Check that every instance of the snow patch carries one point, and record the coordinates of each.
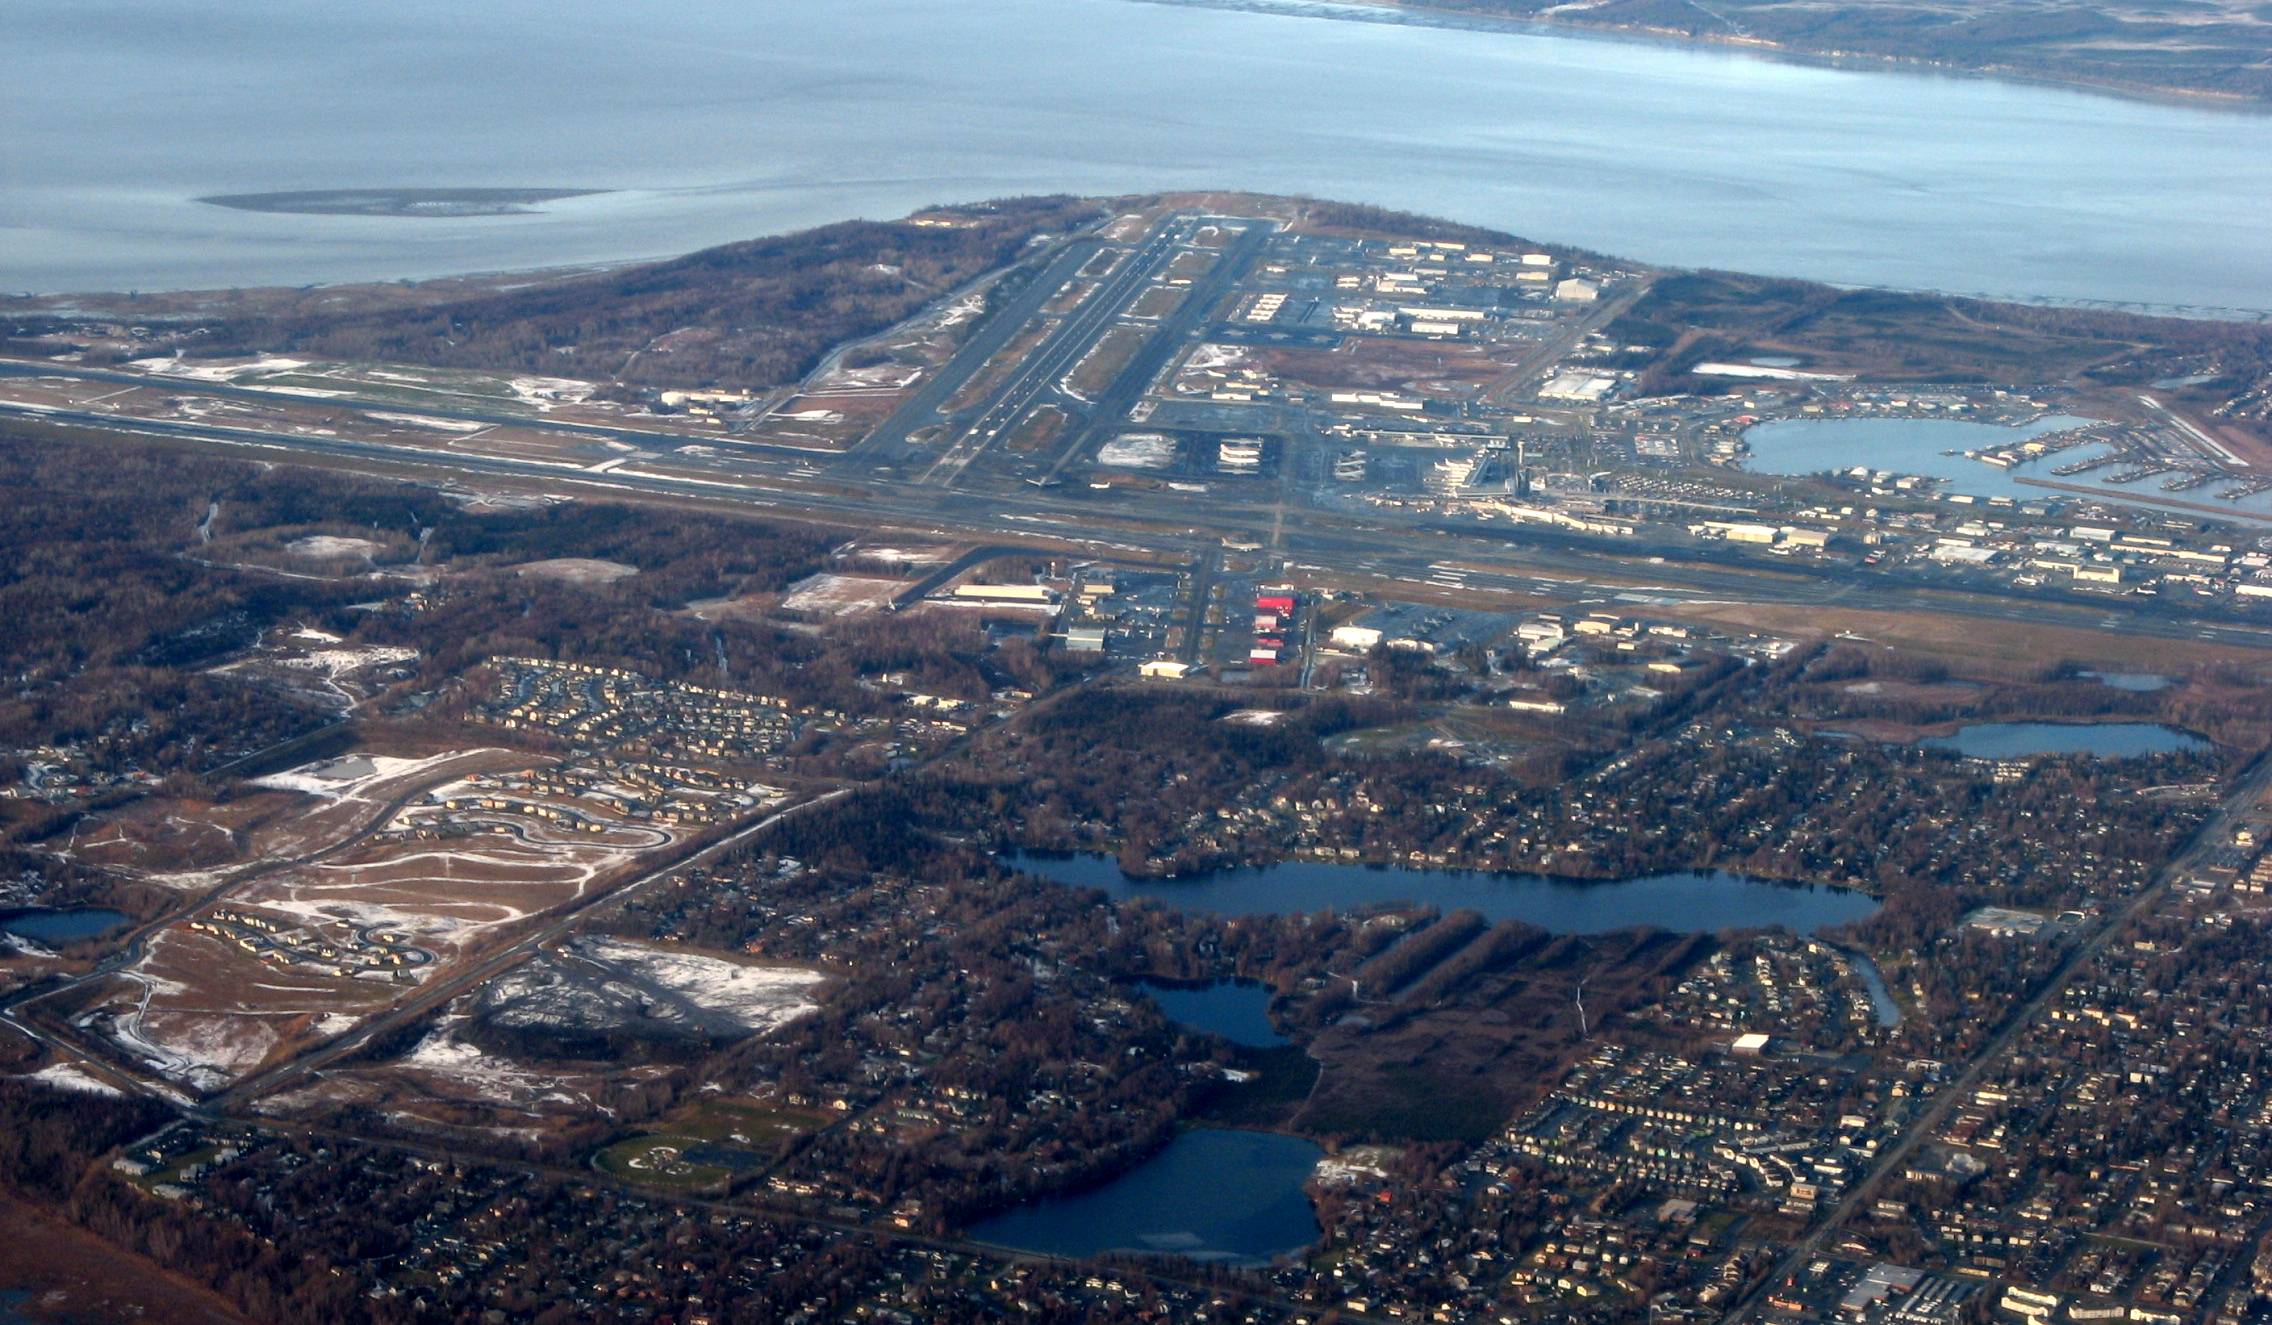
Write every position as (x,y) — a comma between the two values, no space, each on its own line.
(428,421)
(68,1076)
(339,662)
(331,545)
(760,997)
(351,775)
(838,595)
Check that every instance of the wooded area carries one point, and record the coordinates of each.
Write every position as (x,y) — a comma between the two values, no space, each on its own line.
(747,315)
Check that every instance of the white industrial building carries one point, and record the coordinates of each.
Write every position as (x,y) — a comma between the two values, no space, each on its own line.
(1034,595)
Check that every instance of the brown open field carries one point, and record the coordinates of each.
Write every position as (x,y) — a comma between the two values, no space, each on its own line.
(1104,362)
(1439,369)
(1957,639)
(983,382)
(1070,296)
(68,1274)
(1190,264)
(1037,430)
(197,843)
(159,838)
(1157,301)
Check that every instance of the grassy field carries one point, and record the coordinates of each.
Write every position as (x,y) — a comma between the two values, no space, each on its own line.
(659,1157)
(1105,361)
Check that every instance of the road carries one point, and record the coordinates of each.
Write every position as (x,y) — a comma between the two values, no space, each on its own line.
(1203,572)
(2252,788)
(1549,352)
(977,556)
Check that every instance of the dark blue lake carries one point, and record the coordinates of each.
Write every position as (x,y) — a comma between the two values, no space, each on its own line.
(1210,1194)
(1237,1010)
(2107,740)
(41,925)
(1685,901)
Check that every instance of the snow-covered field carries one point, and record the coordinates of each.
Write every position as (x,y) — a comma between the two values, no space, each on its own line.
(1256,717)
(489,1076)
(1212,357)
(340,662)
(208,371)
(331,545)
(202,1046)
(838,595)
(577,570)
(353,776)
(760,997)
(896,556)
(1138,450)
(545,392)
(430,423)
(1355,1165)
(68,1076)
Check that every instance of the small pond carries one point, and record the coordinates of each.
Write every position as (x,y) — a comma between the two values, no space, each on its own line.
(1237,1010)
(2106,740)
(48,925)
(1210,1194)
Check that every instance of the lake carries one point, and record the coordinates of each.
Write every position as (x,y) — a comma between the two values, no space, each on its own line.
(1237,1010)
(714,120)
(1687,901)
(1210,1194)
(42,925)
(1919,446)
(1909,446)
(2107,740)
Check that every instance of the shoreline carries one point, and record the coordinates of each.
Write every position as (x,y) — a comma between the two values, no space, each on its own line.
(91,303)
(1421,14)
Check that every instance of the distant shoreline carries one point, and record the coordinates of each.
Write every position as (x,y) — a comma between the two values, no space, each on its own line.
(441,203)
(1402,12)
